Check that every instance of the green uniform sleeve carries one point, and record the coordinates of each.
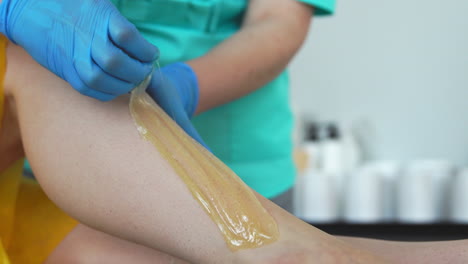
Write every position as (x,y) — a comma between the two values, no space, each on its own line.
(322,7)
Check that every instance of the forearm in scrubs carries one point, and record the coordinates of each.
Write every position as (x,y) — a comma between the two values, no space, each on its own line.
(272,32)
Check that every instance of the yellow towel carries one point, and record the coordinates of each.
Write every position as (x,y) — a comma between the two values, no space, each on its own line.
(3,256)
(31,226)
(9,187)
(39,226)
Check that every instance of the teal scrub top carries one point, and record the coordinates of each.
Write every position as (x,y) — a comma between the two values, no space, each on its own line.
(252,135)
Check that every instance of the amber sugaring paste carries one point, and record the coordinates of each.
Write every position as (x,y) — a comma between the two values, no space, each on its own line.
(242,220)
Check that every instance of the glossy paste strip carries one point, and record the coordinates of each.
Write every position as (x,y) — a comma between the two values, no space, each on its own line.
(240,217)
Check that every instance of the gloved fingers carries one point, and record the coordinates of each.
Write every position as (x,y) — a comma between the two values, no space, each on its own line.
(186,84)
(176,111)
(94,78)
(125,35)
(118,64)
(165,95)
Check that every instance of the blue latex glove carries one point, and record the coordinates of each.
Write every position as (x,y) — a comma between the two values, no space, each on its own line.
(175,90)
(88,43)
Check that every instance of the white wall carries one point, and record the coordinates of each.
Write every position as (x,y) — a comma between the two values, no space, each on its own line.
(399,67)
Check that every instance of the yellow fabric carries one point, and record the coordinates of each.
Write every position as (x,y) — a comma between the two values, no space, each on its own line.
(31,226)
(3,257)
(3,43)
(9,187)
(39,225)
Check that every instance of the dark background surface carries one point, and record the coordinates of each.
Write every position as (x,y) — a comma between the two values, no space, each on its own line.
(401,232)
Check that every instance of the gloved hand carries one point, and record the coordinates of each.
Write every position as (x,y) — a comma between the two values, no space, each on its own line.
(88,43)
(175,90)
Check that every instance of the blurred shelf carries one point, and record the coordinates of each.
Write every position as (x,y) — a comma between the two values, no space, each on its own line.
(396,231)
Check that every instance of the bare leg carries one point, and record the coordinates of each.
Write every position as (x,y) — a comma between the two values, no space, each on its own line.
(98,247)
(91,161)
(83,244)
(415,252)
(89,246)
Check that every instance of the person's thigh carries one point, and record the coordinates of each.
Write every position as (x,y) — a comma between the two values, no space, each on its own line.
(91,161)
(85,245)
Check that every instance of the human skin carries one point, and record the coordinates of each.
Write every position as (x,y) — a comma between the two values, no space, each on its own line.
(271,34)
(89,246)
(452,252)
(91,161)
(42,98)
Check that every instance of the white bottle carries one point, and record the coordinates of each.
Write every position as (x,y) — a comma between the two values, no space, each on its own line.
(332,155)
(311,147)
(352,153)
(364,197)
(440,173)
(459,198)
(320,203)
(390,171)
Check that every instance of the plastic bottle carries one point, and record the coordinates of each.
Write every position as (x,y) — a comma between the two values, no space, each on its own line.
(312,146)
(352,152)
(332,151)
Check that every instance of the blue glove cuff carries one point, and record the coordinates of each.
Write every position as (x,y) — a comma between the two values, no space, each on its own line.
(5,6)
(3,17)
(186,82)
